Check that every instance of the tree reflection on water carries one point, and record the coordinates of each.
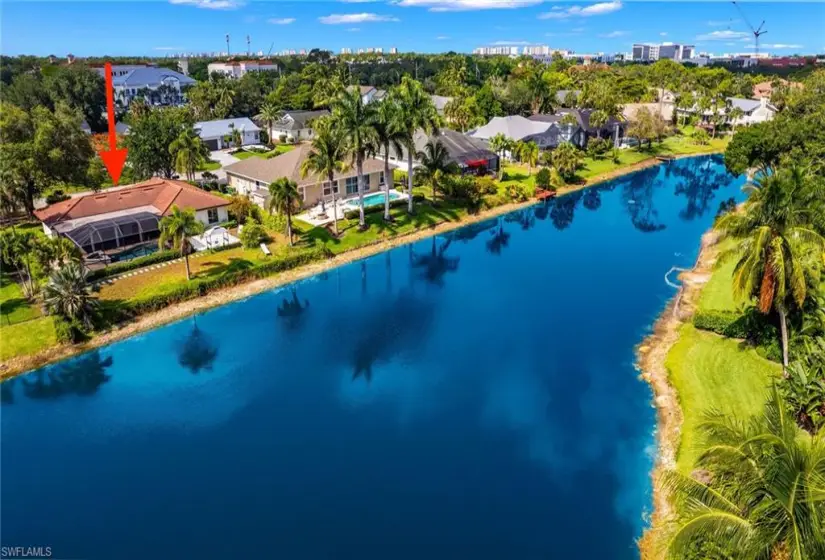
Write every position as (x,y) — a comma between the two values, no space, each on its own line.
(499,239)
(292,311)
(436,264)
(79,376)
(637,195)
(564,209)
(198,351)
(698,184)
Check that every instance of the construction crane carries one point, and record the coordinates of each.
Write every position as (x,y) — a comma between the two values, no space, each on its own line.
(247,46)
(757,32)
(227,45)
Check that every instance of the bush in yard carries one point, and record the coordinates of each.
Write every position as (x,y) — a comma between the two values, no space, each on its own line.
(69,331)
(544,179)
(252,234)
(519,192)
(486,185)
(597,147)
(56,195)
(282,138)
(700,136)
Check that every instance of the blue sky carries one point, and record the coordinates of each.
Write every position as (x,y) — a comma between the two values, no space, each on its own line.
(159,27)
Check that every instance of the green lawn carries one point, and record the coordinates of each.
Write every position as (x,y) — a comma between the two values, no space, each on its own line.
(711,372)
(717,294)
(14,308)
(26,338)
(276,151)
(210,166)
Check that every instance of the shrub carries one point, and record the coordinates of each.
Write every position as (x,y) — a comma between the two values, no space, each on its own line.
(700,136)
(486,185)
(56,195)
(519,192)
(69,331)
(272,222)
(597,147)
(202,286)
(282,138)
(126,266)
(543,178)
(252,234)
(505,176)
(727,323)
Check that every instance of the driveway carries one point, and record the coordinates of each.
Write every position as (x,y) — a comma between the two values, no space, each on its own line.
(223,157)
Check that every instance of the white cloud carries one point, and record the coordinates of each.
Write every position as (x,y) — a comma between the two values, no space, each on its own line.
(281,21)
(597,9)
(513,43)
(354,29)
(358,1)
(167,48)
(613,34)
(442,38)
(726,35)
(466,5)
(663,34)
(337,19)
(722,22)
(577,30)
(211,4)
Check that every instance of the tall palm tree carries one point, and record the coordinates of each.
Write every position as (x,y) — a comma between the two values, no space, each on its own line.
(417,113)
(268,115)
(355,119)
(224,96)
(540,91)
(765,499)
(190,153)
(176,228)
(598,119)
(566,159)
(67,294)
(435,162)
(327,157)
(388,135)
(499,144)
(779,244)
(734,114)
(284,198)
(530,155)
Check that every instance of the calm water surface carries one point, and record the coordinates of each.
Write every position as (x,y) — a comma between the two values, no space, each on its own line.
(469,396)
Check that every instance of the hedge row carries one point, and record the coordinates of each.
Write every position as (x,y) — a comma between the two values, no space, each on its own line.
(727,323)
(203,286)
(126,266)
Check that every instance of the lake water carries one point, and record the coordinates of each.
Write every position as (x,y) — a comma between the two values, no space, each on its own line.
(468,396)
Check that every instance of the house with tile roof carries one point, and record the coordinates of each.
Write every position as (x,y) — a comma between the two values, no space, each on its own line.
(470,154)
(296,125)
(159,86)
(128,215)
(252,177)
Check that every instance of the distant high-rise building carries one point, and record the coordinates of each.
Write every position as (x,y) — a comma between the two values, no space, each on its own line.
(496,50)
(346,50)
(649,52)
(542,50)
(393,50)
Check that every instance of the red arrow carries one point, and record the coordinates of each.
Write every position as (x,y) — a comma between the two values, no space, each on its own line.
(114,158)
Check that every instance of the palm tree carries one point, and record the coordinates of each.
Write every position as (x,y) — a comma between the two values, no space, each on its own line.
(517,148)
(417,113)
(190,153)
(284,198)
(388,135)
(235,136)
(530,155)
(67,294)
(176,227)
(765,499)
(327,158)
(499,144)
(225,97)
(354,119)
(734,115)
(566,159)
(435,162)
(597,120)
(540,92)
(268,115)
(779,244)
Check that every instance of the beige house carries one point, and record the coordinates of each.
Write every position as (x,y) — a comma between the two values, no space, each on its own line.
(252,177)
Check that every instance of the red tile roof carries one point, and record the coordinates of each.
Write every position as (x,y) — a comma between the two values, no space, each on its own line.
(162,194)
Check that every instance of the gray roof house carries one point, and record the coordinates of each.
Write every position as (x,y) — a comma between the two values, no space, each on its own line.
(754,110)
(440,102)
(545,130)
(297,124)
(467,152)
(215,133)
(163,85)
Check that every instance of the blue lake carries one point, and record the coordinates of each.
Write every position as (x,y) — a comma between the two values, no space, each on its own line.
(468,396)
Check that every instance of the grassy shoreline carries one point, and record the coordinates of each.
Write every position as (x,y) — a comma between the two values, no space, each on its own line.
(23,363)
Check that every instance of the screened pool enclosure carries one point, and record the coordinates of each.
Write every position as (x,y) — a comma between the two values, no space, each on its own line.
(114,231)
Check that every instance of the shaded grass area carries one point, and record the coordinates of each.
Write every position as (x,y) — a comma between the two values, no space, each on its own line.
(209,166)
(14,308)
(276,151)
(27,338)
(710,372)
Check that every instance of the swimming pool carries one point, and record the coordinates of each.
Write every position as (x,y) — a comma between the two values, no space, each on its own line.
(471,395)
(135,252)
(374,199)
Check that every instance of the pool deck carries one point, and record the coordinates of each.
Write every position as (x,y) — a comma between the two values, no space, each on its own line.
(342,206)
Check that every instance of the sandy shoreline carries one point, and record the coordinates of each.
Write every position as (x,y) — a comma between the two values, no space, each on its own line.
(651,356)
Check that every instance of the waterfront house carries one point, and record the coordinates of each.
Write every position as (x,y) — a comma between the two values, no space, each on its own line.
(253,176)
(470,154)
(217,134)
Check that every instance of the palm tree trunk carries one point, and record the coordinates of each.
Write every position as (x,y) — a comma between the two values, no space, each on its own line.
(783,327)
(359,170)
(186,261)
(387,182)
(334,205)
(289,225)
(410,172)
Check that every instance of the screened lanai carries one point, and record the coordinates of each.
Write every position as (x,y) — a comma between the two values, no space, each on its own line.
(112,231)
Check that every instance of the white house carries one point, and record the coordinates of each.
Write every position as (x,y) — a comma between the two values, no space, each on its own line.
(159,86)
(370,93)
(296,125)
(216,134)
(241,68)
(754,111)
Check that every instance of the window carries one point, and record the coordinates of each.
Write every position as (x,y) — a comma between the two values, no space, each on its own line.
(381,178)
(328,190)
(352,185)
(212,215)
